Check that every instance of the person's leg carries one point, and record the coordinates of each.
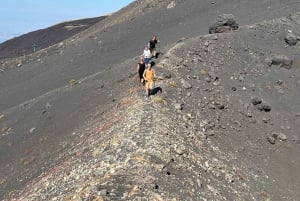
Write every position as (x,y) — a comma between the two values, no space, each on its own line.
(147,88)
(151,86)
(145,60)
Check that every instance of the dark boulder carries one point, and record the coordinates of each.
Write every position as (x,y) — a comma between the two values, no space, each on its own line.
(224,23)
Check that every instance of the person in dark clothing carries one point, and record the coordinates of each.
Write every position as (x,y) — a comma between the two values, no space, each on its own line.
(140,70)
(152,46)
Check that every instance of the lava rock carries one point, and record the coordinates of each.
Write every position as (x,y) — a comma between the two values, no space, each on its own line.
(263,107)
(280,60)
(266,107)
(271,139)
(256,101)
(291,39)
(224,23)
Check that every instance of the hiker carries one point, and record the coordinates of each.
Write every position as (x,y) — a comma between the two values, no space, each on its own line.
(152,46)
(140,70)
(147,55)
(149,75)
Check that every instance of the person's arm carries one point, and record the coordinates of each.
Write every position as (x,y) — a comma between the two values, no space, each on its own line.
(144,75)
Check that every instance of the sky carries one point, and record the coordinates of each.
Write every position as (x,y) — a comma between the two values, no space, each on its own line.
(18,17)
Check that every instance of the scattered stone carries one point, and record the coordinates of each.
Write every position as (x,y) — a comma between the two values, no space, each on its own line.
(271,139)
(181,40)
(221,106)
(206,44)
(224,23)
(73,82)
(229,178)
(279,60)
(266,107)
(291,39)
(213,76)
(103,192)
(265,120)
(256,101)
(249,114)
(171,5)
(215,37)
(178,106)
(276,136)
(1,116)
(188,94)
(280,82)
(179,149)
(32,130)
(216,83)
(200,185)
(203,72)
(263,107)
(185,84)
(2,181)
(5,129)
(48,105)
(282,136)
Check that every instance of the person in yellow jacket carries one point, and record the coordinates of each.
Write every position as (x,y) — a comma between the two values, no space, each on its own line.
(149,75)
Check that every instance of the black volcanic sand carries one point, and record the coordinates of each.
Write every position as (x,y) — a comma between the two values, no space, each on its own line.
(43,38)
(42,109)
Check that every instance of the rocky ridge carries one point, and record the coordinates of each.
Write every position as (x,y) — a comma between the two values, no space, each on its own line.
(219,131)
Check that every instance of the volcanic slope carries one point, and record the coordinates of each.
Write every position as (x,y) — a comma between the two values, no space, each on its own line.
(23,45)
(213,147)
(91,75)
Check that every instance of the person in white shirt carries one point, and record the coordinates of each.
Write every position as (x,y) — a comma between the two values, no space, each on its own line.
(147,55)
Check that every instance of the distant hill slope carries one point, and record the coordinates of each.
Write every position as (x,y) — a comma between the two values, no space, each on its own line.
(44,38)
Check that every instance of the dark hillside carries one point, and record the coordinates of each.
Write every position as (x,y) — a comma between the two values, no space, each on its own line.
(45,37)
(75,124)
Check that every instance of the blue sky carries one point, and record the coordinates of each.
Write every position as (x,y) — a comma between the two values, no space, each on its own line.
(18,17)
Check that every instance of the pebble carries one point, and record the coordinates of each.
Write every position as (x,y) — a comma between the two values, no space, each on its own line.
(31,130)
(178,106)
(186,84)
(256,101)
(265,120)
(48,105)
(271,139)
(282,136)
